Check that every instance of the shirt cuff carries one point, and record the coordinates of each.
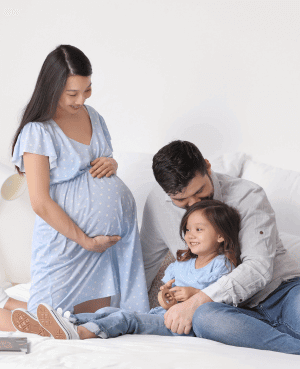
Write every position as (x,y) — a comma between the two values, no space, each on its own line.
(217,293)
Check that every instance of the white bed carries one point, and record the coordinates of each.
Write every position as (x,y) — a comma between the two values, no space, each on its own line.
(133,351)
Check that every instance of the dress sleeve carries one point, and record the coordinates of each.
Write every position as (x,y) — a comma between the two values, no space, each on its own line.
(34,138)
(169,273)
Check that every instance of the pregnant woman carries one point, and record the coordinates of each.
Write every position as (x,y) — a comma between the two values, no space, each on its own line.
(86,250)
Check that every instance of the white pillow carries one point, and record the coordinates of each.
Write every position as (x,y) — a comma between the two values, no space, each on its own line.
(283,190)
(135,170)
(19,292)
(231,163)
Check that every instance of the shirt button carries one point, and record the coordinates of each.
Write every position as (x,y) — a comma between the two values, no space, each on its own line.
(241,300)
(261,232)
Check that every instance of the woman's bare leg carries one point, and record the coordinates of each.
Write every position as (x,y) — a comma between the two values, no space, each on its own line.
(5,321)
(92,305)
(5,314)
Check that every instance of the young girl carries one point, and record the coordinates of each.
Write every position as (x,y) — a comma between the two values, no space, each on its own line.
(86,251)
(210,229)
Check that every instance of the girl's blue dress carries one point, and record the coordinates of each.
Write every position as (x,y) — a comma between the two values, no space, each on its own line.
(63,274)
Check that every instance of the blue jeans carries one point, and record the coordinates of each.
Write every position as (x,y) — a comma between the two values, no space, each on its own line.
(111,322)
(272,325)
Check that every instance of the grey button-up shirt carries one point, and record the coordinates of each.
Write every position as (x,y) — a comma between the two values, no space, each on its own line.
(265,263)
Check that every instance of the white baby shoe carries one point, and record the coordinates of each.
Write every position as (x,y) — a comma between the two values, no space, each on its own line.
(57,324)
(26,322)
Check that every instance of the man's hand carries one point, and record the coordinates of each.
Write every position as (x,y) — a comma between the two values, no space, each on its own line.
(179,317)
(103,167)
(184,293)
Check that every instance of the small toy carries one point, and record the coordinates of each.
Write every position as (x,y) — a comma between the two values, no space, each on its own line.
(166,298)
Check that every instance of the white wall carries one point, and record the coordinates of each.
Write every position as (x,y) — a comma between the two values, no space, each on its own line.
(223,74)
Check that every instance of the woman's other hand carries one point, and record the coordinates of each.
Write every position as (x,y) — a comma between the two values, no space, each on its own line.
(103,167)
(184,293)
(101,243)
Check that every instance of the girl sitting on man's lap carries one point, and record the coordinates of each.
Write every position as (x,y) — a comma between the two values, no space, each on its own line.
(210,229)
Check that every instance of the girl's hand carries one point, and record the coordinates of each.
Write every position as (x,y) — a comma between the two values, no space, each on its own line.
(103,167)
(168,285)
(100,243)
(184,293)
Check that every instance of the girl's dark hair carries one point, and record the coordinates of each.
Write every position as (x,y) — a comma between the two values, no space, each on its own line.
(225,220)
(64,61)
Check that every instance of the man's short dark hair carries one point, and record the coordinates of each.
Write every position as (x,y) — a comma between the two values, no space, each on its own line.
(176,164)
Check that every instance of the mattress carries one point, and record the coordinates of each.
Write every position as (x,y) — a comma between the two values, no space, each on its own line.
(138,352)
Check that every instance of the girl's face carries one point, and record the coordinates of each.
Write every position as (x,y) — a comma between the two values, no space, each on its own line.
(76,91)
(200,236)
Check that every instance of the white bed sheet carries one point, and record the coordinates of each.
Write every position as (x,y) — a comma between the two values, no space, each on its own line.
(138,352)
(145,352)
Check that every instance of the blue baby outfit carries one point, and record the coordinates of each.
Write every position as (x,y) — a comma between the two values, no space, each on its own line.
(111,322)
(186,274)
(63,274)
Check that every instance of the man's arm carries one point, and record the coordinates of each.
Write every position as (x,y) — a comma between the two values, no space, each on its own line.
(258,241)
(154,248)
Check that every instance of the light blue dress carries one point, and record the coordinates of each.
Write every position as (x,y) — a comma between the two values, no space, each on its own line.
(63,274)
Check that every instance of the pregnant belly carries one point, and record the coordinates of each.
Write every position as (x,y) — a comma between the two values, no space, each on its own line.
(102,206)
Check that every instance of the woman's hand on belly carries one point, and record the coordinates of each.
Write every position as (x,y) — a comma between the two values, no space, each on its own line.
(103,167)
(100,243)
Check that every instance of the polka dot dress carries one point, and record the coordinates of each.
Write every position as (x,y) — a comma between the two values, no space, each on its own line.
(63,274)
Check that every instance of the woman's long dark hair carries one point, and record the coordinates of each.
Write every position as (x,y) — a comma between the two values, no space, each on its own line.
(64,61)
(226,222)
